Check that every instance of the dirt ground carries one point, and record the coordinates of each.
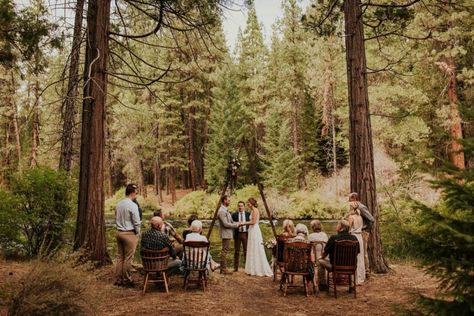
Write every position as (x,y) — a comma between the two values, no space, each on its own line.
(239,294)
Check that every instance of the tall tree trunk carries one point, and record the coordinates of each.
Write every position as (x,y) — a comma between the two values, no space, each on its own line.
(69,104)
(36,126)
(360,141)
(192,161)
(141,178)
(455,149)
(15,120)
(157,179)
(90,229)
(172,185)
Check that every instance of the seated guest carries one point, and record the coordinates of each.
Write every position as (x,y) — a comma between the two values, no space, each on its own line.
(171,232)
(195,235)
(155,239)
(318,234)
(288,229)
(301,233)
(342,230)
(188,230)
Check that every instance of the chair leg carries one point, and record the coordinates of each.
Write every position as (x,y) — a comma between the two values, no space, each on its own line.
(305,286)
(334,280)
(166,282)
(285,285)
(201,280)
(355,286)
(186,276)
(145,282)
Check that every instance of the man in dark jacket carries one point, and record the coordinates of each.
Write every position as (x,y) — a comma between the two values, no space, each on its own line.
(241,233)
(342,234)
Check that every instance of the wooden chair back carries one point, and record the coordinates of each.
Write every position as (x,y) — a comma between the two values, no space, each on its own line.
(318,248)
(155,260)
(195,255)
(280,248)
(345,255)
(297,257)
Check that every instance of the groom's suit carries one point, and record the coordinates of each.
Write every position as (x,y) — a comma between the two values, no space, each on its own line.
(226,225)
(240,236)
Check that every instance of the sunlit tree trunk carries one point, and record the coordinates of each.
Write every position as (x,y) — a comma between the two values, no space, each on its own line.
(360,141)
(69,104)
(455,149)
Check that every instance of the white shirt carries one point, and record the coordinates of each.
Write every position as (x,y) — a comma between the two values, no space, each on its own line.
(127,217)
(321,236)
(242,228)
(195,237)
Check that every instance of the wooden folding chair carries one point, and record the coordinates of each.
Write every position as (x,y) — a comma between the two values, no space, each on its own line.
(195,259)
(297,263)
(155,262)
(344,264)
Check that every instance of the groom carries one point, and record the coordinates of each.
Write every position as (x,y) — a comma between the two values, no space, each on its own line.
(240,234)
(226,225)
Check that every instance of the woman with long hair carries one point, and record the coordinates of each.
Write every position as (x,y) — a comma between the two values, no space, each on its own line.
(256,262)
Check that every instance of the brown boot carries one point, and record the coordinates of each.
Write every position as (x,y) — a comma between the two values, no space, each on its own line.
(225,271)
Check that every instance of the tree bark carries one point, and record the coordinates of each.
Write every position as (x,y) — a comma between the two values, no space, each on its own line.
(36,126)
(15,121)
(192,162)
(360,142)
(141,178)
(90,229)
(69,104)
(455,149)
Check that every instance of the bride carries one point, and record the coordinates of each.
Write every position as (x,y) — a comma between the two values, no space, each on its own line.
(256,262)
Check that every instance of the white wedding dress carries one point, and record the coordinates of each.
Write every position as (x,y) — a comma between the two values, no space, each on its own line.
(256,262)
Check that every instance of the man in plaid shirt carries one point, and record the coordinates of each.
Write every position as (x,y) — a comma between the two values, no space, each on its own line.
(155,239)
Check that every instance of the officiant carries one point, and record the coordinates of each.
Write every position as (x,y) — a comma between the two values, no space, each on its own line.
(241,233)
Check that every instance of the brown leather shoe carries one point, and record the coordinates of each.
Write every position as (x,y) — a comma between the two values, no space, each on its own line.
(225,271)
(236,269)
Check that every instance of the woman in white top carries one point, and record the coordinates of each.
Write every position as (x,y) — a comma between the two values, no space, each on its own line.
(318,234)
(256,262)
(355,224)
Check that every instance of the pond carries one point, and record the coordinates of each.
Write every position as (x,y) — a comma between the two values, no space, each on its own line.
(329,226)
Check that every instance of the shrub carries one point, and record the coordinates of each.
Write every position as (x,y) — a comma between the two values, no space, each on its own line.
(53,289)
(41,201)
(197,202)
(10,237)
(111,202)
(307,205)
(244,194)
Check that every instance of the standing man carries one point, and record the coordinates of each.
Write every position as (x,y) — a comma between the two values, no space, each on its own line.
(366,227)
(128,224)
(227,226)
(240,234)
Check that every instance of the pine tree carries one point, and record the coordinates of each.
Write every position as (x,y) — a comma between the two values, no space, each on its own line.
(282,166)
(252,63)
(226,127)
(442,237)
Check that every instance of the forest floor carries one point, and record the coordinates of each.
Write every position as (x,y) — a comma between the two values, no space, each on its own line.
(239,294)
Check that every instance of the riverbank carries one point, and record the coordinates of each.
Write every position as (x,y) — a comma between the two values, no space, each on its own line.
(239,294)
